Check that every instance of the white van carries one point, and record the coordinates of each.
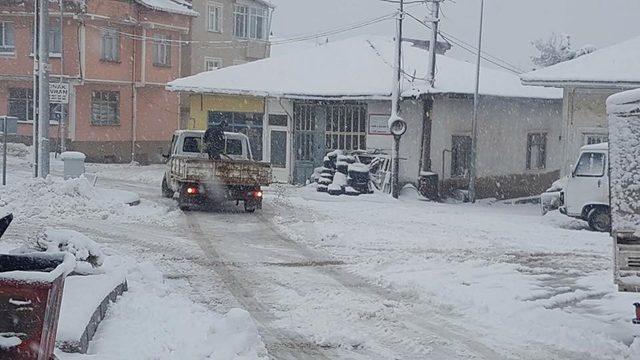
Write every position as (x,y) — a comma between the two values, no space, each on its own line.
(585,194)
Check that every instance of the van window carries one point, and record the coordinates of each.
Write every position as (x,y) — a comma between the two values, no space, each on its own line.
(234,147)
(191,144)
(590,164)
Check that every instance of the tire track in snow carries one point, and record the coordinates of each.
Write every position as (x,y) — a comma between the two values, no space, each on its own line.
(281,344)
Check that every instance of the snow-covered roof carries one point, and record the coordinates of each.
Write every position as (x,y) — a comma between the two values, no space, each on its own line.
(182,7)
(615,66)
(359,67)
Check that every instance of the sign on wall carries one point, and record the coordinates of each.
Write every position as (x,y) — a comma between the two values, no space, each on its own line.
(379,124)
(59,93)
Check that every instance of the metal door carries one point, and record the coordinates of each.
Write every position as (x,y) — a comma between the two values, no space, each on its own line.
(305,141)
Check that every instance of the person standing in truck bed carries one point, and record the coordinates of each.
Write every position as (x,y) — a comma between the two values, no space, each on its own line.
(214,140)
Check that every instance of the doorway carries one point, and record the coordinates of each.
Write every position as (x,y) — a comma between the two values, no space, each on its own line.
(279,147)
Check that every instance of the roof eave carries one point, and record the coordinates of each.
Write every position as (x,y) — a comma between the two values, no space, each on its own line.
(581,84)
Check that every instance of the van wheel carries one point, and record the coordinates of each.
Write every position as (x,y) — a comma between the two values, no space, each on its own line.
(166,190)
(599,220)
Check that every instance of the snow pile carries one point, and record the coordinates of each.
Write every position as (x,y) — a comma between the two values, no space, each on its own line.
(9,340)
(156,320)
(54,198)
(83,248)
(624,150)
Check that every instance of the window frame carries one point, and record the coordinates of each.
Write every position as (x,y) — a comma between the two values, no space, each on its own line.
(218,13)
(207,59)
(256,22)
(110,36)
(6,47)
(544,136)
(162,50)
(106,103)
(55,37)
(346,127)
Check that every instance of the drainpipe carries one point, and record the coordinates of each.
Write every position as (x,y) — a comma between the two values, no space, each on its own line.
(134,102)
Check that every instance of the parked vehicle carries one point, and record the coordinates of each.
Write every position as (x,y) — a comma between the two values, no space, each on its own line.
(586,191)
(197,180)
(624,167)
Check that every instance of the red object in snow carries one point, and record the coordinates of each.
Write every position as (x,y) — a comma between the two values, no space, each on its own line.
(29,308)
(637,319)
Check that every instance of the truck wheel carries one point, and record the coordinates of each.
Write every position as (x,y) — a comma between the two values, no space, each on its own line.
(599,220)
(166,190)
(249,208)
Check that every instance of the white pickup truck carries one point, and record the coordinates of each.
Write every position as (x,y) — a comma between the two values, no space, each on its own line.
(198,180)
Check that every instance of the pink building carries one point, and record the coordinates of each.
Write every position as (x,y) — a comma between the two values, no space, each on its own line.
(117,57)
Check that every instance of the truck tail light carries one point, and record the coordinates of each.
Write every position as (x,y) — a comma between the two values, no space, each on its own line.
(257,194)
(192,190)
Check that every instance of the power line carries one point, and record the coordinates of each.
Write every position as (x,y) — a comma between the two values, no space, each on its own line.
(472,49)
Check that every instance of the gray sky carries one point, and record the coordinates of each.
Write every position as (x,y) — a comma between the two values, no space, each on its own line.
(510,25)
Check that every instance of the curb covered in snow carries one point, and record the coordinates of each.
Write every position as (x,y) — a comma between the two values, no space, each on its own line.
(81,312)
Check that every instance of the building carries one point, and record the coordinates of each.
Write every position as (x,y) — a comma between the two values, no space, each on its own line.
(298,106)
(587,82)
(117,57)
(226,33)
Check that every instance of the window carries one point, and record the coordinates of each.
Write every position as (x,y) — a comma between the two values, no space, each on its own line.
(249,124)
(110,45)
(590,165)
(460,155)
(536,151)
(240,20)
(258,23)
(55,37)
(105,108)
(7,38)
(250,22)
(21,104)
(212,63)
(233,147)
(591,139)
(278,120)
(214,17)
(162,50)
(192,144)
(346,127)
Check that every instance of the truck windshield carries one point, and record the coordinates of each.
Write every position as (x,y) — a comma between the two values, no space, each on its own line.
(590,164)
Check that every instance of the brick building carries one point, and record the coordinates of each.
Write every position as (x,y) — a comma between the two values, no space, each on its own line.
(116,56)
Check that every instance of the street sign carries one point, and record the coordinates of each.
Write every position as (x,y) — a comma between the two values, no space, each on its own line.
(59,93)
(11,124)
(379,124)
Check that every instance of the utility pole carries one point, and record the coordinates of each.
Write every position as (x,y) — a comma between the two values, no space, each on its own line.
(397,126)
(43,90)
(435,21)
(473,172)
(34,130)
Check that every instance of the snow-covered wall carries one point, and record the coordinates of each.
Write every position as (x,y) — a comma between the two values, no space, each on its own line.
(624,153)
(503,126)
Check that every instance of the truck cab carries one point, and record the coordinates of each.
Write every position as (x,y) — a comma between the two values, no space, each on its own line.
(585,193)
(189,143)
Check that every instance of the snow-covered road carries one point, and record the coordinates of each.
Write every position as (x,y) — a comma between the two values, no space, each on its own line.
(360,278)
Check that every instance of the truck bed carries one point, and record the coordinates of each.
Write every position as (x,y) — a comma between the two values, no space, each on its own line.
(225,171)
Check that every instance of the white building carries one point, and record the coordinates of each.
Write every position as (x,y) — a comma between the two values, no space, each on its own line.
(587,83)
(337,96)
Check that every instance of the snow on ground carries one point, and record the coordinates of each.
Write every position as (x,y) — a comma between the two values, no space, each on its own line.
(520,279)
(156,318)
